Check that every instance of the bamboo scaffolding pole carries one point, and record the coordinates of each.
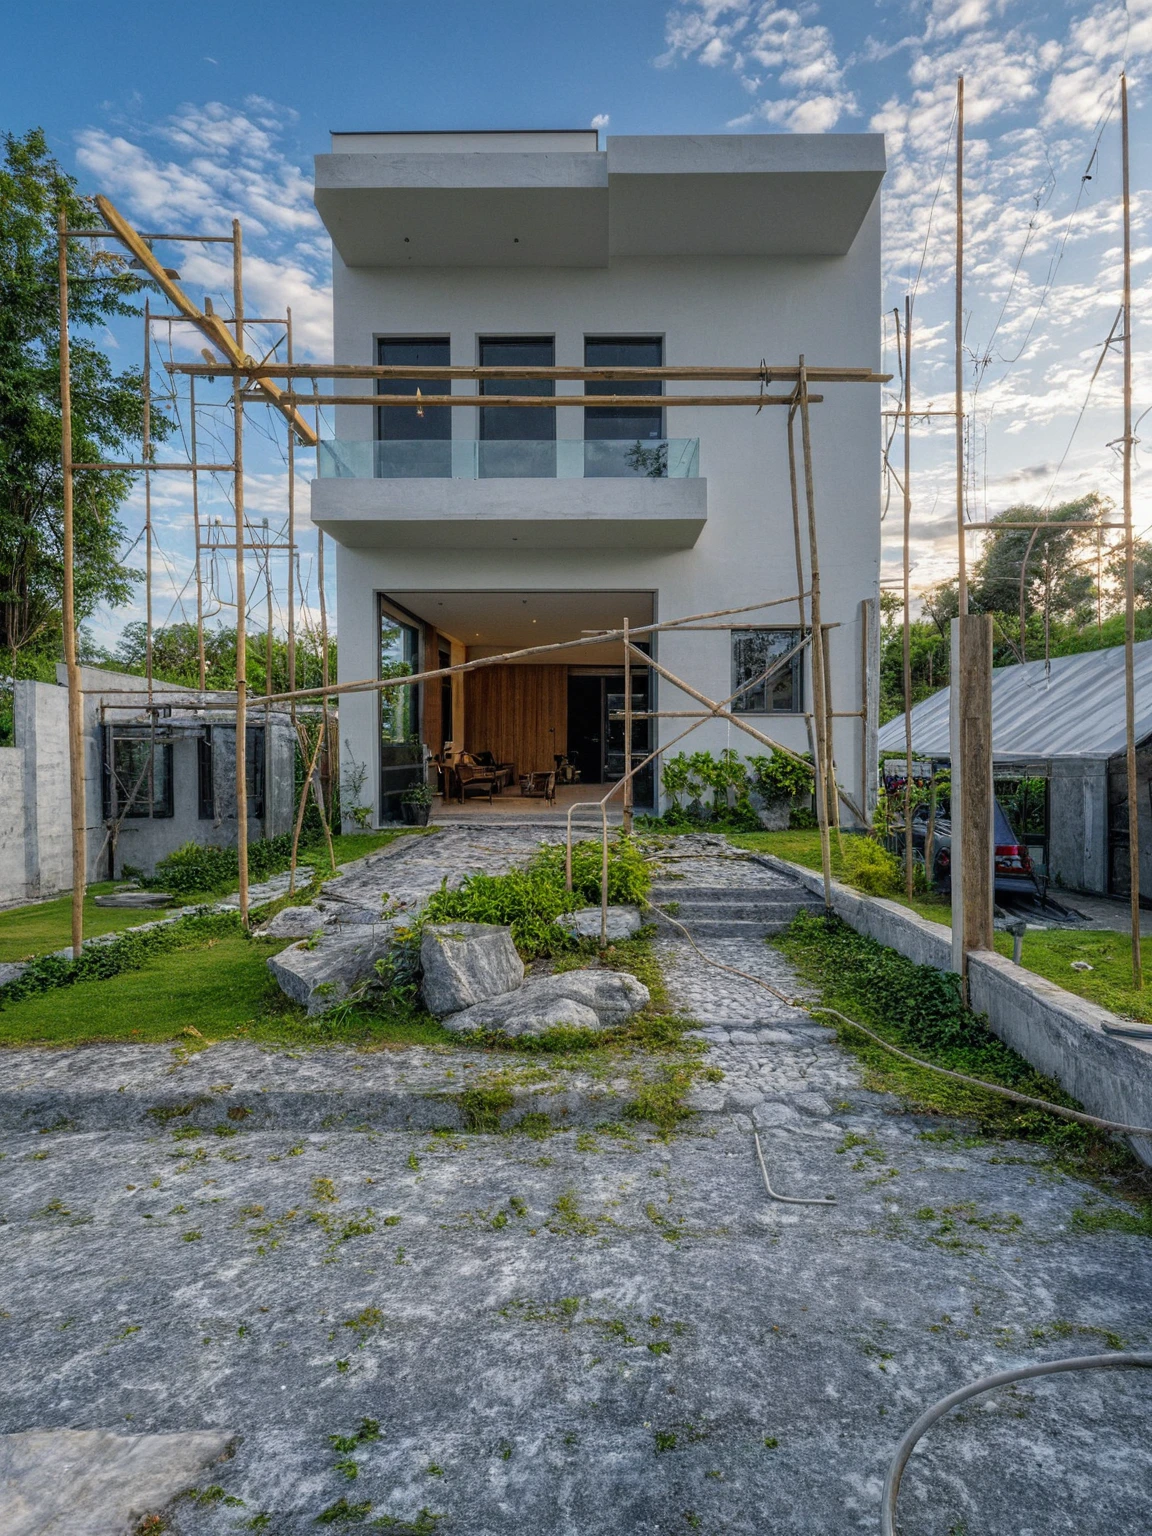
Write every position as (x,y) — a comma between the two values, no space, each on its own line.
(822,764)
(544,402)
(291,536)
(628,785)
(68,615)
(1129,565)
(309,771)
(958,406)
(201,670)
(324,673)
(241,594)
(788,373)
(211,325)
(596,637)
(907,627)
(146,454)
(141,468)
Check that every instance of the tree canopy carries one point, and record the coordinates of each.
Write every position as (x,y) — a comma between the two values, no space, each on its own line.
(107,410)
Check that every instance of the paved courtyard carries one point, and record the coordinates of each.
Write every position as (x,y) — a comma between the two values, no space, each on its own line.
(594,1332)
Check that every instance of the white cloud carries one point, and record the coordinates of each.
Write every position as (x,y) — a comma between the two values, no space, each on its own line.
(600,120)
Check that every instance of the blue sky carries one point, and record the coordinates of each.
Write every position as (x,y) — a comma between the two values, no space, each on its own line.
(186,117)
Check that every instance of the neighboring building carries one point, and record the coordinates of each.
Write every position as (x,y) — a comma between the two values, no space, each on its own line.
(152,782)
(1063,722)
(463,533)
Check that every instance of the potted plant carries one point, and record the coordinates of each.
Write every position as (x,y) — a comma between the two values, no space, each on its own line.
(416,804)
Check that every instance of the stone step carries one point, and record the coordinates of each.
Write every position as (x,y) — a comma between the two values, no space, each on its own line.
(736,907)
(737,928)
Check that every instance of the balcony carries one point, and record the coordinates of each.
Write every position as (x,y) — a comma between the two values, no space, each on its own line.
(671,458)
(564,495)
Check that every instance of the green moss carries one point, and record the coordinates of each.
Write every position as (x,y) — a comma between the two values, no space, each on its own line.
(482,1106)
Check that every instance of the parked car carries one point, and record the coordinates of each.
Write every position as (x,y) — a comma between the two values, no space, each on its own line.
(1014,875)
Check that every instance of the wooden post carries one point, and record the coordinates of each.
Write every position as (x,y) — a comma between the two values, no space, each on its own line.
(627,732)
(972,802)
(75,700)
(241,595)
(1129,574)
(816,648)
(201,670)
(959,346)
(907,595)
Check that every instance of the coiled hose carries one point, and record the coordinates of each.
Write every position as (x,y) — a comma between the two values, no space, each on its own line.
(985,1384)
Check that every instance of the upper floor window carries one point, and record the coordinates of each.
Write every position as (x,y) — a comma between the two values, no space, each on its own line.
(414,440)
(517,440)
(641,428)
(753,652)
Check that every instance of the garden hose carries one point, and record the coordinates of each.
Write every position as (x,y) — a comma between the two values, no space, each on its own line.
(985,1384)
(787,1199)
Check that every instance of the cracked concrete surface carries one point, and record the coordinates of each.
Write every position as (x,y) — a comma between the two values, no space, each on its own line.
(596,1332)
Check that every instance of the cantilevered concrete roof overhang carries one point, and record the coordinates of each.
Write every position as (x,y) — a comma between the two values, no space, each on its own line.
(531,200)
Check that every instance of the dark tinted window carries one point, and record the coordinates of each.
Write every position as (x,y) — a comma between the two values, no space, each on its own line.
(507,423)
(630,422)
(401,422)
(753,652)
(137,776)
(205,776)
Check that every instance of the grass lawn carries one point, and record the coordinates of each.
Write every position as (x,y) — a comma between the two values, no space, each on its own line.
(221,988)
(47,925)
(35,930)
(1048,953)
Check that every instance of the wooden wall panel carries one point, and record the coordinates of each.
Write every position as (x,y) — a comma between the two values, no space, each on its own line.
(519,714)
(430,692)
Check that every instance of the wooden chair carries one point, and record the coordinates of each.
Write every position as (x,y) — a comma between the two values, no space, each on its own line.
(472,779)
(505,772)
(539,784)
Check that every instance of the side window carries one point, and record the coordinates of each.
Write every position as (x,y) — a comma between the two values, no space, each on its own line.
(255,770)
(753,652)
(205,777)
(137,776)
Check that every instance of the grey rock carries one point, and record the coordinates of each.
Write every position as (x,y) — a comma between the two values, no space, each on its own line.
(320,977)
(134,899)
(775,1117)
(743,1099)
(293,923)
(75,1482)
(467,963)
(811,1104)
(12,970)
(623,922)
(592,999)
(353,917)
(707,1100)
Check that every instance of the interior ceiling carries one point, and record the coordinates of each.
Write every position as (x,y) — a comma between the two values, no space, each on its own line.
(505,621)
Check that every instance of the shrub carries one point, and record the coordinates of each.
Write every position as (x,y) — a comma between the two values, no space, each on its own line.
(871,868)
(530,900)
(780,777)
(207,868)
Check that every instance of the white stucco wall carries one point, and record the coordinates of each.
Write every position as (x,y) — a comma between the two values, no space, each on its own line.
(723,310)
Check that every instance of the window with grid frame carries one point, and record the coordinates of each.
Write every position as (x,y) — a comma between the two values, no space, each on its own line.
(136,783)
(753,652)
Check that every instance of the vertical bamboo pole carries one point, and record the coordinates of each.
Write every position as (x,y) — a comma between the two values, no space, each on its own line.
(324,675)
(959,348)
(816,648)
(241,595)
(146,454)
(200,667)
(75,702)
(907,595)
(268,661)
(627,732)
(1129,573)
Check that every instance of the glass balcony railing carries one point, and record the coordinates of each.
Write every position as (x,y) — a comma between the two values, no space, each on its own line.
(668,458)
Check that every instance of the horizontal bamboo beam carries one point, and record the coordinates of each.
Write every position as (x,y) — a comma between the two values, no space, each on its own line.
(785,374)
(1058,527)
(150,466)
(105,234)
(548,402)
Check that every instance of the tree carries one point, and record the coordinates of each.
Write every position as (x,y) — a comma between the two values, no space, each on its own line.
(107,411)
(175,659)
(1041,570)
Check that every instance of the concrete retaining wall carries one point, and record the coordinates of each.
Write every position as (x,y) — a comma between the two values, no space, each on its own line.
(1058,1033)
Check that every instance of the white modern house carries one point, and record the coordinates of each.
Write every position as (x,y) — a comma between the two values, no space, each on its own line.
(467,532)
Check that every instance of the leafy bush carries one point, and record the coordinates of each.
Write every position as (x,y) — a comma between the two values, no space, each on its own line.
(203,868)
(871,868)
(530,900)
(780,777)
